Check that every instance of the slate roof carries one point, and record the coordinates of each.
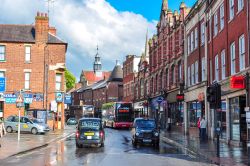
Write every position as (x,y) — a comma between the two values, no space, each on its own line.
(117,74)
(23,33)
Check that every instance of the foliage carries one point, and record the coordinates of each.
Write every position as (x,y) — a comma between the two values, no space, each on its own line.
(70,79)
(107,106)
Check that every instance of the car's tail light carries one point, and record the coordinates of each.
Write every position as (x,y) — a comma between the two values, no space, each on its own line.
(77,134)
(101,134)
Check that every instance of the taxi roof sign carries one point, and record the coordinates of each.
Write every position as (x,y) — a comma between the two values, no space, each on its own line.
(19,99)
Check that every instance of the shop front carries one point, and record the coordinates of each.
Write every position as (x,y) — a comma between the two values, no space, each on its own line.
(140,109)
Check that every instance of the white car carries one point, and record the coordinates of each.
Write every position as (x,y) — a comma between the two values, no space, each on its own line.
(26,125)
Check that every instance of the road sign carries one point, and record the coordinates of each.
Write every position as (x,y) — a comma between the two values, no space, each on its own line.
(59,97)
(160,99)
(19,99)
(2,84)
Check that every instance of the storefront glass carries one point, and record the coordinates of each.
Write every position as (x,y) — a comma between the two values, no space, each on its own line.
(195,112)
(223,119)
(235,118)
(1,109)
(177,113)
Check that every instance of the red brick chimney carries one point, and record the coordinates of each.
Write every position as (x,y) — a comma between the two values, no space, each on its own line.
(41,27)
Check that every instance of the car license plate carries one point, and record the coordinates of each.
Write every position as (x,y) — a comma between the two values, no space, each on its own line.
(89,134)
(147,140)
(89,137)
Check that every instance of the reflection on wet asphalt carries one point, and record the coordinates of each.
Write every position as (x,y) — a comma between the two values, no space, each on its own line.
(118,150)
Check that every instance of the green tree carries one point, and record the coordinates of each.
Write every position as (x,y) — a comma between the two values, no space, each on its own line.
(70,79)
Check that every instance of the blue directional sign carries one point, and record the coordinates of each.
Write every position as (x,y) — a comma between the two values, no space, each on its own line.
(10,98)
(2,84)
(28,98)
(160,99)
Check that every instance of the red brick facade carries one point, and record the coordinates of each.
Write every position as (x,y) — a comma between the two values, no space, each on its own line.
(47,53)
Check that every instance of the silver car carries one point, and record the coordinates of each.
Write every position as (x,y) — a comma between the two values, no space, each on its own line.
(26,125)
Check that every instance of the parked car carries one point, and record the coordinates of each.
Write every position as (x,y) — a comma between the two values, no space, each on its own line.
(41,122)
(71,121)
(26,125)
(144,131)
(89,132)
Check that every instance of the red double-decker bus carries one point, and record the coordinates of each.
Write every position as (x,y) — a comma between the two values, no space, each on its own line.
(118,114)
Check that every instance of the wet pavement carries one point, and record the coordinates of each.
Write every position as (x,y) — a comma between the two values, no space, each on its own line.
(118,150)
(229,155)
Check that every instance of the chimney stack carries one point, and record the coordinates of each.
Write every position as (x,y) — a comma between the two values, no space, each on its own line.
(41,27)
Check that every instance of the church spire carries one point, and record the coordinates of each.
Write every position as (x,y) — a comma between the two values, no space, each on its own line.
(97,63)
(165,5)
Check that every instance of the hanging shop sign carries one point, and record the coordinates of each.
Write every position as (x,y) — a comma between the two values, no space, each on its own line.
(59,97)
(237,82)
(67,99)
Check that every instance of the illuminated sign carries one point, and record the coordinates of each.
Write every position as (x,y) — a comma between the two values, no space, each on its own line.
(237,82)
(180,97)
(123,111)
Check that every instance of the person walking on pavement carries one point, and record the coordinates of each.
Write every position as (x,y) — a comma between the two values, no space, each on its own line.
(199,126)
(203,126)
(2,129)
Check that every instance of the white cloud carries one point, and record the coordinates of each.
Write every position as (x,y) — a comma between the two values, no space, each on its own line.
(84,24)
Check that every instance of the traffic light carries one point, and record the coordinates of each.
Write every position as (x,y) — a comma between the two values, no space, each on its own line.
(211,98)
(214,96)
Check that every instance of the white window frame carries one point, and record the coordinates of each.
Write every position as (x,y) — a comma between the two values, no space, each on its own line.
(2,53)
(240,5)
(202,33)
(27,53)
(58,81)
(27,80)
(242,52)
(188,44)
(223,64)
(222,16)
(196,72)
(196,38)
(233,58)
(203,69)
(215,23)
(192,41)
(231,9)
(216,71)
(192,75)
(180,71)
(2,74)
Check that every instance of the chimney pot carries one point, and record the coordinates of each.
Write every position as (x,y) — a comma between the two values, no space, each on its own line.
(38,14)
(46,15)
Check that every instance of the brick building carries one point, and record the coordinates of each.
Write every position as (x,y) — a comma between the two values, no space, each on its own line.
(130,68)
(32,58)
(195,66)
(228,56)
(166,63)
(103,91)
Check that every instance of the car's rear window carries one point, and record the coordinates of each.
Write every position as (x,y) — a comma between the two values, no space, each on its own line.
(145,123)
(90,124)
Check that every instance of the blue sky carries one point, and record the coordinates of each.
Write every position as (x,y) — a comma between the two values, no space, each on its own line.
(118,26)
(150,9)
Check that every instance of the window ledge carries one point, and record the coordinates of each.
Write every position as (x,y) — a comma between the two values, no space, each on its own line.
(28,62)
(3,61)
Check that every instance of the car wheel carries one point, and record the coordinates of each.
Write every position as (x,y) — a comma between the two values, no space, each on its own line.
(102,144)
(77,145)
(34,131)
(156,144)
(9,129)
(134,143)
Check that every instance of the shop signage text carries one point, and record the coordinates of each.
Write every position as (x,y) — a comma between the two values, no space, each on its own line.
(237,82)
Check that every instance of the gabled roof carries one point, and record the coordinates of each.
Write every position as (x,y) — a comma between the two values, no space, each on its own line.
(23,33)
(92,78)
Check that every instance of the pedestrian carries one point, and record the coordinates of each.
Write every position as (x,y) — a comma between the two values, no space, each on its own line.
(199,126)
(2,129)
(203,126)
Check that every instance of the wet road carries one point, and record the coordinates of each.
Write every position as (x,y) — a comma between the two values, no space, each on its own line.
(118,150)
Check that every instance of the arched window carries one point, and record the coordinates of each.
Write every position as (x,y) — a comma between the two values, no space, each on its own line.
(172,75)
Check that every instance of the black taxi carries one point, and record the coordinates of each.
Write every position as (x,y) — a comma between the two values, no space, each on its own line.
(90,132)
(144,131)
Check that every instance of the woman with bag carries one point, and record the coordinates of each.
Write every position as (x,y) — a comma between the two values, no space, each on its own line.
(2,129)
